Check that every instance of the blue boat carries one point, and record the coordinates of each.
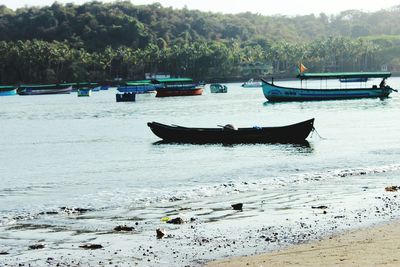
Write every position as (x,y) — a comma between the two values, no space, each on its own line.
(8,90)
(137,87)
(275,93)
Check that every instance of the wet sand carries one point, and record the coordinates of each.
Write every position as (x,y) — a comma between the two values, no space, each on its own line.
(375,246)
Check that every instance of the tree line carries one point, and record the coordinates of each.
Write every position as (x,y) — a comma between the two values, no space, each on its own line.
(98,42)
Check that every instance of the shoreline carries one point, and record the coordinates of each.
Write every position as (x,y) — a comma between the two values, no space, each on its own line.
(371,246)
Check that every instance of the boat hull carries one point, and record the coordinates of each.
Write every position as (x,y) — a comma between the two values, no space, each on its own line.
(178,92)
(146,89)
(294,133)
(38,91)
(8,92)
(278,93)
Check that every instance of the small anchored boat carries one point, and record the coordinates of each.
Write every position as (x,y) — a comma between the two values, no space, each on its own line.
(251,84)
(277,93)
(218,88)
(48,89)
(176,87)
(229,134)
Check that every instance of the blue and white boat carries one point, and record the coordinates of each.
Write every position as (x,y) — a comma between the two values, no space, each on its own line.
(84,92)
(6,90)
(275,93)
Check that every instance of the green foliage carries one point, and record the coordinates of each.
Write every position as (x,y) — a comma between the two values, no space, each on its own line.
(97,41)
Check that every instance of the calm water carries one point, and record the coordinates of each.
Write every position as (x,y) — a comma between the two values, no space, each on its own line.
(64,151)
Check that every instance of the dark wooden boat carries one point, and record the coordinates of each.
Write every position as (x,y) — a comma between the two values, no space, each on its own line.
(228,134)
(126,97)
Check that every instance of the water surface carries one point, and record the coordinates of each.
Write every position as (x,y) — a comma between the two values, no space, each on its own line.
(93,153)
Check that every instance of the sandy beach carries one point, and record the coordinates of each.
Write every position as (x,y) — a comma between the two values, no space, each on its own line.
(376,246)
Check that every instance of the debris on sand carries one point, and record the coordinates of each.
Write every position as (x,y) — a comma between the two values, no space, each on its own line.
(36,246)
(124,228)
(237,206)
(91,246)
(160,233)
(319,207)
(177,220)
(74,210)
(392,188)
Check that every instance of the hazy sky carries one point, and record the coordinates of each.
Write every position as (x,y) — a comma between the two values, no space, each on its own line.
(266,7)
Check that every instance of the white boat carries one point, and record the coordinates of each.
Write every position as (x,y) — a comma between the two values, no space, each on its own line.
(251,84)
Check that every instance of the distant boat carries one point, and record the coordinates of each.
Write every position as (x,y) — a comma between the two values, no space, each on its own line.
(251,84)
(229,134)
(84,92)
(7,90)
(279,93)
(137,87)
(218,88)
(48,89)
(353,80)
(126,97)
(177,87)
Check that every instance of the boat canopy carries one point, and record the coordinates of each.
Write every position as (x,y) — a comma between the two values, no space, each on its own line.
(343,75)
(79,84)
(138,83)
(173,80)
(37,85)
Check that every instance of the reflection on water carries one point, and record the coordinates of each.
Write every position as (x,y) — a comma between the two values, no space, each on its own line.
(287,146)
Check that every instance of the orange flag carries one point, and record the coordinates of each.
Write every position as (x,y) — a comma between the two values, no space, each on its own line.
(302,68)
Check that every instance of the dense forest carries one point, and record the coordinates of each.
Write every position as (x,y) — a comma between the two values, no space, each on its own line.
(98,42)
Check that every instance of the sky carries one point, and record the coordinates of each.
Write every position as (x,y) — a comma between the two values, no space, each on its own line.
(265,7)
